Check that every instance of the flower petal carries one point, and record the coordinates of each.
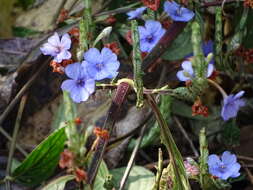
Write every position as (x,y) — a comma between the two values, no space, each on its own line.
(187,66)
(108,55)
(90,85)
(181,76)
(102,74)
(170,7)
(112,66)
(137,13)
(143,32)
(213,161)
(153,26)
(74,71)
(207,47)
(63,55)
(228,158)
(68,85)
(93,56)
(239,94)
(48,49)
(91,70)
(145,46)
(177,12)
(54,40)
(210,69)
(228,111)
(66,41)
(79,94)
(187,14)
(235,170)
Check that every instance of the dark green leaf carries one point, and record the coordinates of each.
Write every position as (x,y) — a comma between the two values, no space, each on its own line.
(26,3)
(42,161)
(180,47)
(231,134)
(23,32)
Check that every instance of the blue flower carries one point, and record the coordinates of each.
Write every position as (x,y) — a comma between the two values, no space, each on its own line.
(177,12)
(188,73)
(150,35)
(57,48)
(137,13)
(225,167)
(207,47)
(80,86)
(101,65)
(231,105)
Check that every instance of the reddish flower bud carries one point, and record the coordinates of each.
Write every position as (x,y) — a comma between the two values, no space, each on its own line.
(144,54)
(66,160)
(66,62)
(81,175)
(199,109)
(59,67)
(128,37)
(110,20)
(74,33)
(214,75)
(152,4)
(248,3)
(188,83)
(64,14)
(166,23)
(114,47)
(78,121)
(101,133)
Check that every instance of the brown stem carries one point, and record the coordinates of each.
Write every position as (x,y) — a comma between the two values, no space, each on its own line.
(112,115)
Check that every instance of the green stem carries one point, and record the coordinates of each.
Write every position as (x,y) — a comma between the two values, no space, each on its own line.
(199,60)
(218,37)
(138,83)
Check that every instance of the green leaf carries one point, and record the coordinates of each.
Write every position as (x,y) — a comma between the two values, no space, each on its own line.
(23,32)
(231,134)
(247,41)
(101,177)
(241,31)
(180,47)
(139,178)
(66,112)
(26,3)
(42,161)
(58,183)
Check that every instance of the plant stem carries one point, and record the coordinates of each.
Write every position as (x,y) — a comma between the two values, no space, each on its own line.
(171,147)
(114,110)
(137,61)
(181,128)
(132,158)
(14,139)
(216,85)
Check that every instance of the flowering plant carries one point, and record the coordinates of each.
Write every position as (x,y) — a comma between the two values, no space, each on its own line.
(168,73)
